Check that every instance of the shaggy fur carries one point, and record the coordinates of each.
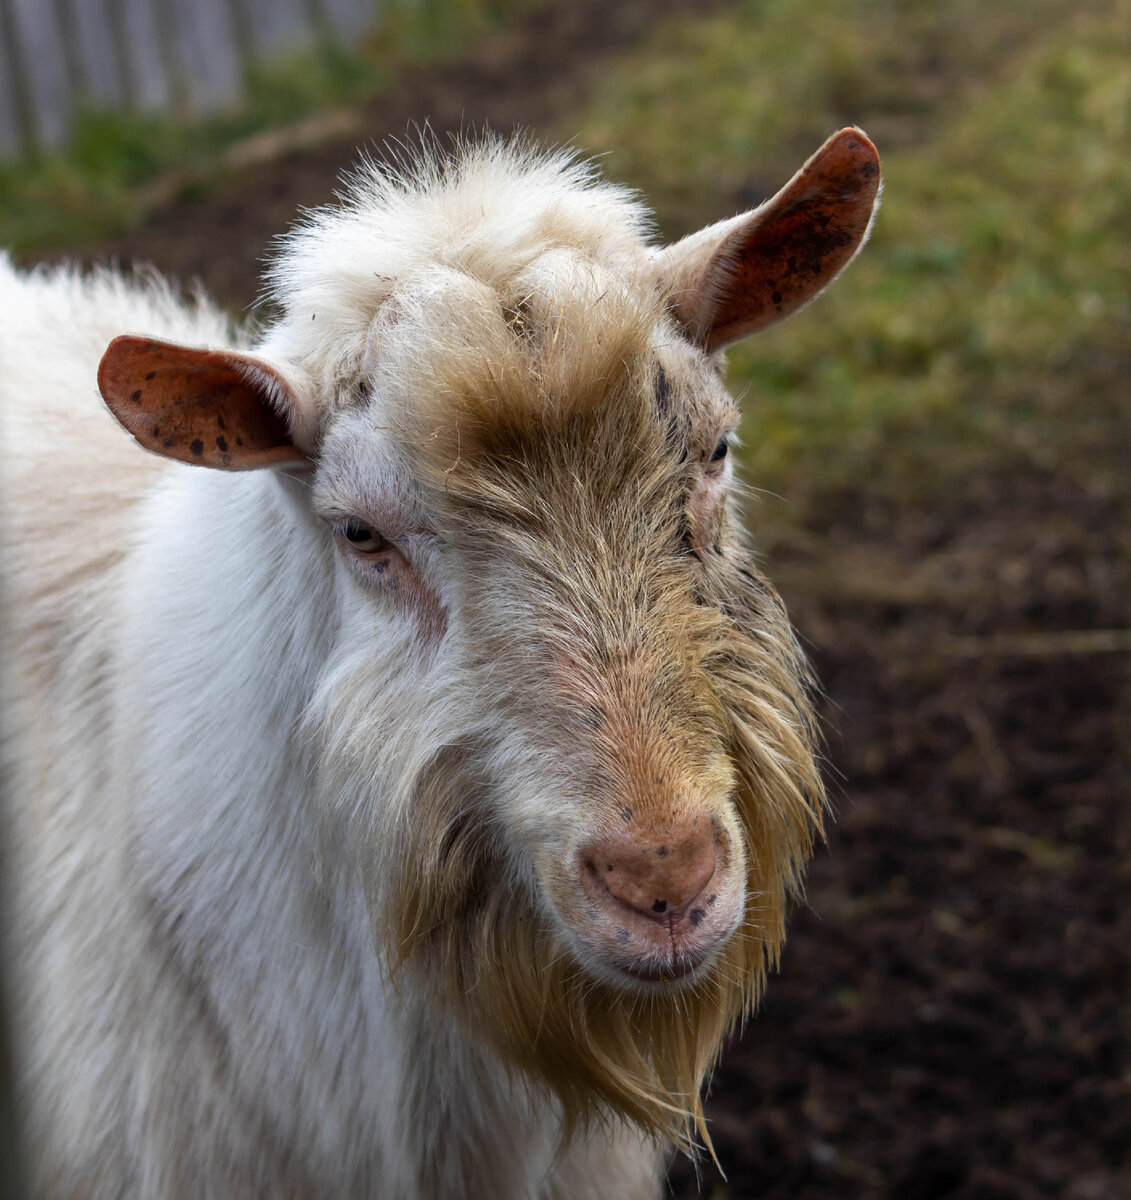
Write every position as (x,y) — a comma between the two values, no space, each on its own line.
(309,763)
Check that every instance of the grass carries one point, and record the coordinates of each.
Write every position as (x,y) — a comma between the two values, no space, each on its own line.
(985,327)
(94,187)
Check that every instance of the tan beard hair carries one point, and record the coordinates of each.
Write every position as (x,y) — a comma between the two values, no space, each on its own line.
(448,903)
(500,965)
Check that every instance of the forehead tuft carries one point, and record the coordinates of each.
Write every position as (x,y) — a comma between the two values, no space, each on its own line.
(489,211)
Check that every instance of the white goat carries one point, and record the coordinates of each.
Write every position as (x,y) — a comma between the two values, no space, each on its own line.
(411,817)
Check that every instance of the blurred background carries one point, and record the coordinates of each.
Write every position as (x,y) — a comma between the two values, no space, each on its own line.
(940,450)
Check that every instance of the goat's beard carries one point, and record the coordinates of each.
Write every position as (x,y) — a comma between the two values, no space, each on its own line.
(449,906)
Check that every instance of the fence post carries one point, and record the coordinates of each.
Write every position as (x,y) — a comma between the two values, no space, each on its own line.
(27,129)
(120,36)
(72,55)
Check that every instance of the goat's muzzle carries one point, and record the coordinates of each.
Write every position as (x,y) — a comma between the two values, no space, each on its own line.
(662,898)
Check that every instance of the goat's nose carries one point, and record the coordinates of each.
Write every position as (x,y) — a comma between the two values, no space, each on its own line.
(657,877)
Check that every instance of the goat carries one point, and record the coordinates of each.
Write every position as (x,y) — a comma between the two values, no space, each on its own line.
(409,805)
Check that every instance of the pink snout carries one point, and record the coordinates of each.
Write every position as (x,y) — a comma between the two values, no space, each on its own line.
(657,879)
(661,899)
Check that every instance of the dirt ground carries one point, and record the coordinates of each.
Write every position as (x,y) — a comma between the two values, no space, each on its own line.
(951,1017)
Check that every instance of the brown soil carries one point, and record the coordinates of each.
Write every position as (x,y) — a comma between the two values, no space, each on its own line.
(951,1016)
(950,1020)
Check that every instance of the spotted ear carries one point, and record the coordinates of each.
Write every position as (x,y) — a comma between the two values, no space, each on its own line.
(740,275)
(212,408)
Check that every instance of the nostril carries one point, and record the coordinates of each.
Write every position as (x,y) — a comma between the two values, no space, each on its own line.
(658,878)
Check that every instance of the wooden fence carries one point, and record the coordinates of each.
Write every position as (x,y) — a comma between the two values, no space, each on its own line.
(180,55)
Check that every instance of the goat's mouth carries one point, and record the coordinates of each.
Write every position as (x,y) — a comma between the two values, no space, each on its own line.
(662,929)
(648,966)
(677,968)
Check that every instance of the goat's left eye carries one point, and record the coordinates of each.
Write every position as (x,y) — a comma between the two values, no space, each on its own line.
(721,451)
(361,538)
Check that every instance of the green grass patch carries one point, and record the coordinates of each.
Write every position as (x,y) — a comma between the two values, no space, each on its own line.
(985,326)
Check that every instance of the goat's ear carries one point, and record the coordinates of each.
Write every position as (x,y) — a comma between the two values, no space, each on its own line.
(213,408)
(740,275)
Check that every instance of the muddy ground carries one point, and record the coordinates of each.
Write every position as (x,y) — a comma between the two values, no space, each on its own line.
(951,1017)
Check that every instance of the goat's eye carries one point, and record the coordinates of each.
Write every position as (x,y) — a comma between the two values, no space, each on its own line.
(361,538)
(721,451)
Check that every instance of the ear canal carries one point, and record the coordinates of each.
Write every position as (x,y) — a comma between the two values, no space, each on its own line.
(211,408)
(736,277)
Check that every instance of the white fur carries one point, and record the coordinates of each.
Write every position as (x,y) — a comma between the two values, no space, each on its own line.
(197,1003)
(215,723)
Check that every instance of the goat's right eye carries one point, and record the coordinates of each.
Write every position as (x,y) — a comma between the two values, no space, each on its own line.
(361,538)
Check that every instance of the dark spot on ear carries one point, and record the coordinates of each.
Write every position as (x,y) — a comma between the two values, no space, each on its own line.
(151,375)
(196,447)
(695,916)
(239,441)
(168,441)
(156,430)
(870,169)
(659,906)
(626,813)
(609,867)
(662,852)
(136,396)
(776,297)
(711,899)
(220,421)
(221,444)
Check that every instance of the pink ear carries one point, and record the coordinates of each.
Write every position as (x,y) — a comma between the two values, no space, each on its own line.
(741,275)
(213,408)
